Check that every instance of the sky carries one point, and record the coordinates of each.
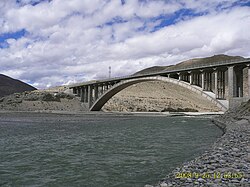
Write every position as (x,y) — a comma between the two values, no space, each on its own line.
(48,43)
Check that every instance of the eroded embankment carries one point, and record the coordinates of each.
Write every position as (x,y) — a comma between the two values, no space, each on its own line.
(41,101)
(226,163)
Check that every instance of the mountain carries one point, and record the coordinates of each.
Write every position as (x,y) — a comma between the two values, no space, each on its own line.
(153,69)
(191,62)
(9,86)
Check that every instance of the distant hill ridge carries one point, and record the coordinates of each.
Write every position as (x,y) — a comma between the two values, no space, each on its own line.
(188,63)
(9,86)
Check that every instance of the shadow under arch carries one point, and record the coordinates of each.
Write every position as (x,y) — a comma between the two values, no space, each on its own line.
(98,104)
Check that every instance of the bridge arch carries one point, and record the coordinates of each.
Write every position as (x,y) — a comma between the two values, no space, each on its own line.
(100,102)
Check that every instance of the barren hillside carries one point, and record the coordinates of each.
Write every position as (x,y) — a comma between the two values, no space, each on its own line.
(158,96)
(9,86)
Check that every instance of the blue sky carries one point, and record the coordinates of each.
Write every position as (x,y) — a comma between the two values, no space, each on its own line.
(48,43)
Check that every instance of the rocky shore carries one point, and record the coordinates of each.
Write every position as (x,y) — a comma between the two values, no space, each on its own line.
(226,163)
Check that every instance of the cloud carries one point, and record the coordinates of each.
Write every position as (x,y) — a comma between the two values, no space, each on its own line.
(77,41)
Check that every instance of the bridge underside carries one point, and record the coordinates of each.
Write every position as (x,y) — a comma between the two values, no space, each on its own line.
(225,86)
(100,102)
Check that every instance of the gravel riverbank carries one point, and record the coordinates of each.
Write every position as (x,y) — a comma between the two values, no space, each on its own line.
(226,163)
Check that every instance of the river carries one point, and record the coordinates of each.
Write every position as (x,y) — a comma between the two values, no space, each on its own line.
(107,150)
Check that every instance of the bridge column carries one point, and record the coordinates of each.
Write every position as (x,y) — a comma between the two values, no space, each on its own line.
(202,80)
(74,90)
(90,95)
(190,77)
(209,81)
(248,79)
(216,83)
(205,81)
(179,76)
(101,89)
(86,94)
(186,78)
(231,82)
(194,78)
(96,92)
(221,84)
(239,82)
(78,91)
(82,94)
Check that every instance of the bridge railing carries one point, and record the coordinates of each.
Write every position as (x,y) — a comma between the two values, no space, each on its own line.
(212,64)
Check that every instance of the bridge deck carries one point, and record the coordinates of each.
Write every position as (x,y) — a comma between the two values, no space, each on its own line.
(190,68)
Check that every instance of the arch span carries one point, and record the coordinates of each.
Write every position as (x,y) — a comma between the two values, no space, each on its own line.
(98,104)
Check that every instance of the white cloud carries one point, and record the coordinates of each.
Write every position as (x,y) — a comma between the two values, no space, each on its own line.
(76,41)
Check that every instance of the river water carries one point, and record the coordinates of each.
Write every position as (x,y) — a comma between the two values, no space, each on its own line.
(97,150)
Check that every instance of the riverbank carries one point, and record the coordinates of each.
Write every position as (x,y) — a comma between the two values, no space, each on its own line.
(41,101)
(164,114)
(226,163)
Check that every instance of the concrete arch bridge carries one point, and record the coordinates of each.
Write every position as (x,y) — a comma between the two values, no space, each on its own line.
(225,84)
